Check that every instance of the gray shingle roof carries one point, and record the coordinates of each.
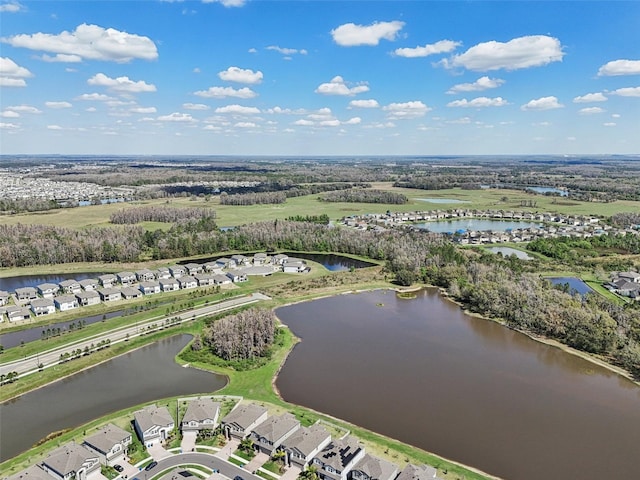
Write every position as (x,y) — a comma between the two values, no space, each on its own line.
(34,472)
(68,458)
(340,453)
(107,437)
(273,428)
(412,472)
(376,468)
(201,409)
(151,416)
(244,415)
(306,440)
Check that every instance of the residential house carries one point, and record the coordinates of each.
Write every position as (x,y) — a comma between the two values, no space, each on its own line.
(90,297)
(193,268)
(70,286)
(221,279)
(260,259)
(412,472)
(110,443)
(26,293)
(42,306)
(48,290)
(177,271)
(89,284)
(108,280)
(130,292)
(240,421)
(241,260)
(4,297)
(304,444)
(633,277)
(163,273)
(34,472)
(263,270)
(373,468)
(169,284)
(66,302)
(145,275)
(294,266)
(126,278)
(153,424)
(71,462)
(270,434)
(187,282)
(336,459)
(279,259)
(202,413)
(110,294)
(15,314)
(211,267)
(237,277)
(225,263)
(149,288)
(204,279)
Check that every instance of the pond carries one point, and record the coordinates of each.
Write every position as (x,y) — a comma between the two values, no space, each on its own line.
(463,387)
(506,251)
(10,284)
(543,190)
(331,261)
(140,376)
(441,200)
(477,225)
(575,284)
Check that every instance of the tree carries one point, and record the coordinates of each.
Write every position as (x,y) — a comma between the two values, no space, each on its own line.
(279,456)
(246,445)
(309,473)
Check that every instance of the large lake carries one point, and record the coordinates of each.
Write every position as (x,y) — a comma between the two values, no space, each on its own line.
(466,388)
(468,225)
(140,376)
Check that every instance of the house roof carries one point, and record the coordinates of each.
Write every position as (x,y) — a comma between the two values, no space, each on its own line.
(87,294)
(4,294)
(88,281)
(151,416)
(125,274)
(341,452)
(188,279)
(42,303)
(107,276)
(376,468)
(25,290)
(273,428)
(168,281)
(633,275)
(412,472)
(130,291)
(244,415)
(150,284)
(65,299)
(307,439)
(68,458)
(144,271)
(34,472)
(68,283)
(107,437)
(201,409)
(48,286)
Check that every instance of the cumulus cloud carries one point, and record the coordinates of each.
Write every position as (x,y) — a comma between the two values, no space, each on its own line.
(240,75)
(479,102)
(337,86)
(24,109)
(413,109)
(353,121)
(90,42)
(303,123)
(363,104)
(9,114)
(590,97)
(287,111)
(238,110)
(54,127)
(177,117)
(61,58)
(12,74)
(143,110)
(522,52)
(590,110)
(286,51)
(543,103)
(224,92)
(9,126)
(57,105)
(10,7)
(245,125)
(351,35)
(627,92)
(483,83)
(620,67)
(443,46)
(98,97)
(195,106)
(609,124)
(227,3)
(121,84)
(460,121)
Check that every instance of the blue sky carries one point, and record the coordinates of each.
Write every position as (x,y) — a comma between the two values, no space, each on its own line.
(254,77)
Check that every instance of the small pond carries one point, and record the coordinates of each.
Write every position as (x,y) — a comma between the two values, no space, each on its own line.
(506,251)
(575,284)
(10,284)
(332,262)
(543,190)
(477,225)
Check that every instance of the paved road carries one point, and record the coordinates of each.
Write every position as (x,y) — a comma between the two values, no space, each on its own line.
(52,357)
(227,469)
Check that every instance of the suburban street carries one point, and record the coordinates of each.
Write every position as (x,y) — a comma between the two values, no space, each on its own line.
(52,357)
(225,468)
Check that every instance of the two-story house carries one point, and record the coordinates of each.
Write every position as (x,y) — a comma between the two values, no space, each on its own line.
(202,413)
(110,443)
(304,444)
(336,460)
(239,422)
(269,435)
(71,462)
(153,424)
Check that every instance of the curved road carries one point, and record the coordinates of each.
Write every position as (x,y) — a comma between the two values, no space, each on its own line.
(208,460)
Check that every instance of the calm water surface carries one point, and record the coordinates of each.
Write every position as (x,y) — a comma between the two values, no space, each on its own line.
(451,226)
(10,284)
(140,376)
(332,262)
(575,284)
(468,389)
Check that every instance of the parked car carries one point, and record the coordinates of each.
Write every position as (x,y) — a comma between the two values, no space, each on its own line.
(118,468)
(150,466)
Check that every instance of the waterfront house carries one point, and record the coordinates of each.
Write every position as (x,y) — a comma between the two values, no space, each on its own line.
(71,462)
(201,414)
(108,280)
(279,259)
(177,271)
(373,468)
(4,297)
(211,267)
(66,302)
(153,424)
(130,292)
(269,435)
(70,286)
(163,273)
(225,263)
(90,297)
(48,290)
(237,277)
(187,282)
(26,293)
(412,472)
(304,444)
(150,287)
(169,284)
(34,472)
(204,279)
(241,260)
(193,268)
(220,279)
(42,306)
(295,266)
(15,314)
(239,422)
(110,294)
(110,443)
(126,278)
(145,275)
(260,259)
(89,284)
(336,459)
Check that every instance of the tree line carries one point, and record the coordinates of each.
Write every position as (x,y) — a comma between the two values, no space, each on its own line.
(365,196)
(159,214)
(257,198)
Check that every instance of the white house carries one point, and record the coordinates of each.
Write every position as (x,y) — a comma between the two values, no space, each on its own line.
(336,460)
(70,286)
(169,284)
(237,277)
(42,306)
(71,462)
(110,443)
(4,297)
(153,424)
(177,271)
(149,288)
(15,314)
(89,284)
(89,297)
(48,290)
(202,413)
(270,434)
(294,267)
(110,294)
(66,302)
(187,282)
(108,280)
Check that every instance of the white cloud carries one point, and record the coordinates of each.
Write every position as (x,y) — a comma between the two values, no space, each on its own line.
(620,67)
(543,103)
(12,82)
(413,109)
(90,42)
(590,110)
(212,127)
(615,115)
(479,102)
(58,104)
(9,114)
(245,125)
(224,92)
(304,123)
(522,52)
(337,86)
(483,83)
(177,117)
(143,110)
(195,106)
(54,127)
(363,104)
(91,109)
(381,125)
(590,97)
(196,70)
(24,109)
(287,111)
(353,121)
(9,126)
(350,34)
(12,74)
(330,123)
(94,97)
(460,121)
(121,84)
(239,75)
(286,51)
(10,7)
(609,124)
(252,50)
(227,3)
(61,58)
(238,110)
(443,46)
(627,92)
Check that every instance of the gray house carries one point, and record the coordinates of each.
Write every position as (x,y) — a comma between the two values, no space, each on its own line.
(220,279)
(412,472)
(169,284)
(304,444)
(201,413)
(89,284)
(34,472)
(373,468)
(150,287)
(130,292)
(145,275)
(177,271)
(18,313)
(163,272)
(242,419)
(153,424)
(126,278)
(70,286)
(225,263)
(108,280)
(187,282)
(71,462)
(48,290)
(110,443)
(42,306)
(110,294)
(237,277)
(193,268)
(26,293)
(90,297)
(336,460)
(270,434)
(204,279)
(66,302)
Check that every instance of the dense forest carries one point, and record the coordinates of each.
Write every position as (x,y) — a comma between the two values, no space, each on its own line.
(259,198)
(365,196)
(160,214)
(581,250)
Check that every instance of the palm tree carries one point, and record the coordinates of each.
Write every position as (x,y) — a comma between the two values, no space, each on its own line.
(246,445)
(309,473)
(280,457)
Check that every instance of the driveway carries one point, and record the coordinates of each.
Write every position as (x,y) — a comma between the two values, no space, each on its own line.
(228,449)
(158,452)
(129,470)
(188,441)
(256,462)
(291,474)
